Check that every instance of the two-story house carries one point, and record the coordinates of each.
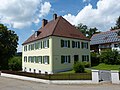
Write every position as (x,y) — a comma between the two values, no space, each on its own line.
(106,40)
(55,47)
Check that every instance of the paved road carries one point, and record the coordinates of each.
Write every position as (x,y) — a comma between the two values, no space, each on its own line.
(14,84)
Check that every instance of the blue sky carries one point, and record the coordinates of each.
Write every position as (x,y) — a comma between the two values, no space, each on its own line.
(25,16)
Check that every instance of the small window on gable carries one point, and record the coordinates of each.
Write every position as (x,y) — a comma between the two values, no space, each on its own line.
(37,33)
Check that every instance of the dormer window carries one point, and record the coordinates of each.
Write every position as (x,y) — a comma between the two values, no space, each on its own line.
(37,33)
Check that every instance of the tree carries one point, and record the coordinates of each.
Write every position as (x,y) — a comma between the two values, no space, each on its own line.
(82,28)
(117,25)
(8,45)
(88,32)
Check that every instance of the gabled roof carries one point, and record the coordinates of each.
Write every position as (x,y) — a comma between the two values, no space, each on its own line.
(105,37)
(59,27)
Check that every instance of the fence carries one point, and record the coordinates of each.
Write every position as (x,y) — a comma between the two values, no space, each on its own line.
(77,76)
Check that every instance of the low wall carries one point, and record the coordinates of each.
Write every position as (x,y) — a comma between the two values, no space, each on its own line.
(95,78)
(48,81)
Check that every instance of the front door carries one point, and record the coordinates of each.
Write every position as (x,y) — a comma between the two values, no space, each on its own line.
(76,58)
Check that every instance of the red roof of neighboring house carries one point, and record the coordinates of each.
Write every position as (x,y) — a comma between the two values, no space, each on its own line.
(59,27)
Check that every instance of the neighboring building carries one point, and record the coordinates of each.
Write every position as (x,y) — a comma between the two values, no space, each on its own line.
(105,40)
(54,47)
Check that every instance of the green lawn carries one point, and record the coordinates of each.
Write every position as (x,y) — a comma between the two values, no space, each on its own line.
(72,71)
(103,66)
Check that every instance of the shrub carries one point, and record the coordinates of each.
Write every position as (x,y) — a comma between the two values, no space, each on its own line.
(110,57)
(94,59)
(78,67)
(86,64)
(15,63)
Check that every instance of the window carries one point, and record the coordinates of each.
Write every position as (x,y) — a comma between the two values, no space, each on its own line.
(29,47)
(75,44)
(32,46)
(25,59)
(25,48)
(32,59)
(29,59)
(65,43)
(85,45)
(115,45)
(34,70)
(46,44)
(85,58)
(65,59)
(37,45)
(30,69)
(39,59)
(46,59)
(40,71)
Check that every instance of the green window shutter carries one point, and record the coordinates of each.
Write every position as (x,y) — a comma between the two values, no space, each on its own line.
(41,59)
(62,43)
(48,59)
(41,44)
(73,44)
(87,58)
(62,59)
(82,44)
(87,45)
(48,43)
(68,43)
(69,59)
(82,58)
(78,44)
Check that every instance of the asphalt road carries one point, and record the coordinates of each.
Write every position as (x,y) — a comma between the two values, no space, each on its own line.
(15,84)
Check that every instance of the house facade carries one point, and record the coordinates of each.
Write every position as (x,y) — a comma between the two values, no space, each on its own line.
(106,40)
(55,47)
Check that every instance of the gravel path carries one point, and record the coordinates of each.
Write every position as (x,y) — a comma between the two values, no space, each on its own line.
(14,84)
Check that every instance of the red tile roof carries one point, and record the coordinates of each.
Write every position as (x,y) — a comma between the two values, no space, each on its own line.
(59,27)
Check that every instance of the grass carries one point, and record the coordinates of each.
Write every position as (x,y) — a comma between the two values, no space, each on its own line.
(103,66)
(72,72)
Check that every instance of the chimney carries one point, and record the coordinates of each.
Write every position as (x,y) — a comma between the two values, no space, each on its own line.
(55,16)
(44,22)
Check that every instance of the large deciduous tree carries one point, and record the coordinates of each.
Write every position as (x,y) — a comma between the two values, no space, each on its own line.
(117,25)
(88,32)
(8,45)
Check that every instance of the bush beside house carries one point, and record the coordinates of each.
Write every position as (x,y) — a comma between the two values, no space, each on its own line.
(15,63)
(78,67)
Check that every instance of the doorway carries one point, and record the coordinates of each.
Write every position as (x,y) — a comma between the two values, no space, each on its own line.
(76,58)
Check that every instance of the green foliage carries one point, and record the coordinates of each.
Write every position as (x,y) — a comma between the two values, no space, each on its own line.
(88,32)
(110,57)
(15,63)
(103,66)
(86,64)
(8,45)
(117,26)
(78,67)
(94,59)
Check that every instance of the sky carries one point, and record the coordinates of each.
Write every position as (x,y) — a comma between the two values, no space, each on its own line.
(25,16)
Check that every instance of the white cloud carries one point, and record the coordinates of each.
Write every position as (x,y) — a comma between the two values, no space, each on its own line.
(45,8)
(86,0)
(21,13)
(103,17)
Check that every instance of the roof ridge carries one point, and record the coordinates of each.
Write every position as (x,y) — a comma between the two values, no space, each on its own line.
(56,25)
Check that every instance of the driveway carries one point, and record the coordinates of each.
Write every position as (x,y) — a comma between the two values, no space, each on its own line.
(15,84)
